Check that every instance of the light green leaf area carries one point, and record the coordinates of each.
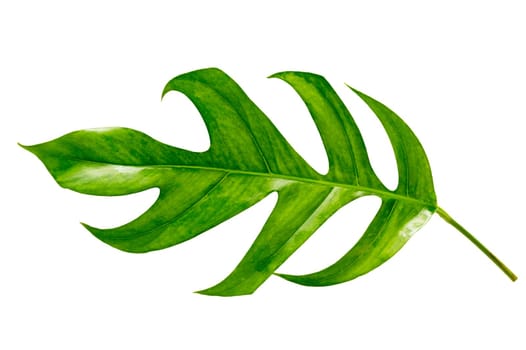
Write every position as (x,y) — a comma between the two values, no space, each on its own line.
(247,160)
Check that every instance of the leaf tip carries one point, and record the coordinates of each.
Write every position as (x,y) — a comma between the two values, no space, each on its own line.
(34,149)
(207,73)
(220,291)
(276,75)
(87,227)
(204,292)
(95,232)
(291,278)
(356,91)
(26,147)
(166,90)
(210,292)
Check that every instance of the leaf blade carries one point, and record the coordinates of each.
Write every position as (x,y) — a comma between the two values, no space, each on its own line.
(247,160)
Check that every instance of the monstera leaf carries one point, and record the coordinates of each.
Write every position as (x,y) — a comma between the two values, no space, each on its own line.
(247,160)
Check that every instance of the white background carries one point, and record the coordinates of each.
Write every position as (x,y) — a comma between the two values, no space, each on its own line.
(454,71)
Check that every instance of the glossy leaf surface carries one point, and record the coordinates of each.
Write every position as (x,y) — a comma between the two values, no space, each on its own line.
(247,160)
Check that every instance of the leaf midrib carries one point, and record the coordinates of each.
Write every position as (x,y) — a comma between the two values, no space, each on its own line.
(385,194)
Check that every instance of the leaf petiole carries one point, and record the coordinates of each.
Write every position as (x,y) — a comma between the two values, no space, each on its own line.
(442,213)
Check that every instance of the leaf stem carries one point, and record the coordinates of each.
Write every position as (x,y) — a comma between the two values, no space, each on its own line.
(442,213)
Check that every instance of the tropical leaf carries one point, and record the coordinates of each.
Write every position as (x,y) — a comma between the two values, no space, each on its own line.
(247,160)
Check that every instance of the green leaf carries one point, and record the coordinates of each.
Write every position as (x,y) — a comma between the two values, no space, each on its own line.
(247,160)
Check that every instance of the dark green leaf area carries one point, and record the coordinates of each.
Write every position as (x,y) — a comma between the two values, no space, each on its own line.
(248,159)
